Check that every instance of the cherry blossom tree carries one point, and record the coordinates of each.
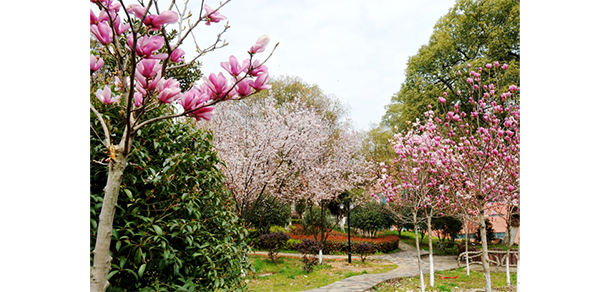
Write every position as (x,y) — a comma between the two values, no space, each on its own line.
(338,166)
(131,62)
(265,147)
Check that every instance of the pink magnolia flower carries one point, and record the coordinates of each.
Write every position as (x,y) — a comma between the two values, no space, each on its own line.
(512,88)
(257,68)
(136,10)
(204,113)
(156,22)
(95,63)
(146,46)
(212,16)
(218,85)
(496,64)
(260,45)
(169,90)
(105,96)
(233,66)
(102,32)
(92,17)
(177,55)
(193,99)
(244,88)
(261,82)
(441,99)
(488,66)
(138,98)
(148,74)
(469,80)
(119,27)
(505,66)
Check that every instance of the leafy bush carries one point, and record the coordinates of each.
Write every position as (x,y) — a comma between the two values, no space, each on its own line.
(173,229)
(268,213)
(308,247)
(364,249)
(448,225)
(370,218)
(273,242)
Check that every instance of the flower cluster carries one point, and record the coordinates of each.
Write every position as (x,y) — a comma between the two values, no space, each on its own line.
(153,57)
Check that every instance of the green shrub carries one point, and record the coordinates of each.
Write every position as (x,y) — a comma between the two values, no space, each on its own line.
(273,242)
(268,213)
(308,247)
(364,249)
(173,229)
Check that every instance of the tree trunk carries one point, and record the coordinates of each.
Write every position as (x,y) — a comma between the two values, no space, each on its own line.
(467,240)
(485,255)
(101,253)
(429,217)
(518,267)
(508,246)
(421,273)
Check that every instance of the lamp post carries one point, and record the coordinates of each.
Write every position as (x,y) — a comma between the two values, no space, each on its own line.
(349,243)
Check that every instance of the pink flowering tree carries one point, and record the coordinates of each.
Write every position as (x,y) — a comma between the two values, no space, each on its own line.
(337,166)
(487,145)
(132,57)
(265,146)
(416,178)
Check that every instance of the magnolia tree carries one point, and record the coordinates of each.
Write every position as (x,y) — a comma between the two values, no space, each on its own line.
(131,60)
(265,146)
(415,178)
(486,147)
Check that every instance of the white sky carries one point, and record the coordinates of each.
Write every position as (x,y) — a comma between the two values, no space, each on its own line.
(356,50)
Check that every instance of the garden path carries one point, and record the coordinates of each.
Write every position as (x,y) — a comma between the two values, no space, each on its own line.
(406,260)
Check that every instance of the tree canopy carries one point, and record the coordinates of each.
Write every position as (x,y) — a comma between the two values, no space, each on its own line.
(472,32)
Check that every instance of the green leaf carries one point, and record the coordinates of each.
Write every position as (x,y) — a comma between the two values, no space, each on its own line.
(158,230)
(111,274)
(141,270)
(128,193)
(118,245)
(122,261)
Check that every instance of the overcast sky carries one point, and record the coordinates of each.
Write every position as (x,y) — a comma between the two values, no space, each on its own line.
(355,50)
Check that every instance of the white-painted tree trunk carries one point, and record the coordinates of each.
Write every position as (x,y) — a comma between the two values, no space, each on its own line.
(485,255)
(421,273)
(320,257)
(431,252)
(518,271)
(101,254)
(508,271)
(467,262)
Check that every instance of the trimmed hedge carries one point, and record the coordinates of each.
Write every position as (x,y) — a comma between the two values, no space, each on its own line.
(338,243)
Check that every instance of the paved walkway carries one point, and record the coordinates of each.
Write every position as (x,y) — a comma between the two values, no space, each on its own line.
(406,260)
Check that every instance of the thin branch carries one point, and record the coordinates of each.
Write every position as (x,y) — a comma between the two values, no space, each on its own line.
(106,143)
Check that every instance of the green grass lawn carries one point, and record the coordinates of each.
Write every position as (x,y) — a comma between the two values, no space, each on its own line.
(463,282)
(288,274)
